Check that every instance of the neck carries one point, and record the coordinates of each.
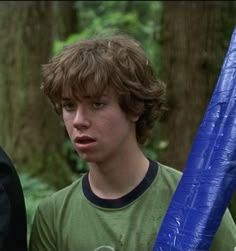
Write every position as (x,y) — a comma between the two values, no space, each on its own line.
(115,178)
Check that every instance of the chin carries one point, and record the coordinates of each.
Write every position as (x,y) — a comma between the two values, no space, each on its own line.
(90,158)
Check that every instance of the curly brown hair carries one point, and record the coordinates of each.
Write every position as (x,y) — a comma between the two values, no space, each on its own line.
(89,67)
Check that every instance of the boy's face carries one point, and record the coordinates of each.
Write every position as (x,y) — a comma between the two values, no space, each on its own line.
(98,128)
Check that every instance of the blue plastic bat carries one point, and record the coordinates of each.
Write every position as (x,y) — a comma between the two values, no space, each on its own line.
(209,178)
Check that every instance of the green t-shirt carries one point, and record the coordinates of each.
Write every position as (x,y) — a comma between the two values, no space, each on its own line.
(75,219)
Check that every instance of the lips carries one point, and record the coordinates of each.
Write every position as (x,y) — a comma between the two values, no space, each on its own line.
(84,140)
(84,143)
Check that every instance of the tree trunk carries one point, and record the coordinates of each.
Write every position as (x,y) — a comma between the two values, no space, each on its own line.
(195,39)
(65,19)
(196,36)
(30,131)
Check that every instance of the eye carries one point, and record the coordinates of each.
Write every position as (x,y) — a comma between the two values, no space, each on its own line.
(98,105)
(69,106)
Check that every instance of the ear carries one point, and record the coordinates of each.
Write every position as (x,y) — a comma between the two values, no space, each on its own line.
(134,118)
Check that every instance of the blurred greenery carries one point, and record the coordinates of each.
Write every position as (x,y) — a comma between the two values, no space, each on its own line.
(34,190)
(141,19)
(79,165)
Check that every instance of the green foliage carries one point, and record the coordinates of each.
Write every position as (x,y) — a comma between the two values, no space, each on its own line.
(80,166)
(154,147)
(141,19)
(34,190)
(53,163)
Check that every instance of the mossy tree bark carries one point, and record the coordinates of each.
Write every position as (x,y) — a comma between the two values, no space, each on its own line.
(195,37)
(30,131)
(66,19)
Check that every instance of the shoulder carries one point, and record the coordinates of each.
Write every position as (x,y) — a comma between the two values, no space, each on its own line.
(170,170)
(169,175)
(8,175)
(55,208)
(61,197)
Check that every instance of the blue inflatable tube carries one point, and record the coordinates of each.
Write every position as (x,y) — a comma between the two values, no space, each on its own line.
(209,178)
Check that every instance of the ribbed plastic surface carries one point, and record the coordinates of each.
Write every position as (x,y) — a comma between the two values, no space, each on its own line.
(209,177)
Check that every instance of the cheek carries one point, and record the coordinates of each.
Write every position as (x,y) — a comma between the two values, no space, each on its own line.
(69,126)
(113,121)
(115,126)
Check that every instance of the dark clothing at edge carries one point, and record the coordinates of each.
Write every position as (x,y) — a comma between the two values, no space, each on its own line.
(13,226)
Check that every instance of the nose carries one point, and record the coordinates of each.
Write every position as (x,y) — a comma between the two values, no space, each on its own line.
(81,119)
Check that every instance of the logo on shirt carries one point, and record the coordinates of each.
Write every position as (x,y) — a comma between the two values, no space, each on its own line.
(106,248)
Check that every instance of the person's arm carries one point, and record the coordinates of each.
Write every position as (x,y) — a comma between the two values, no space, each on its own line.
(14,206)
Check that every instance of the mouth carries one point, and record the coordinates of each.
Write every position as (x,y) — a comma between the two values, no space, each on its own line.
(84,142)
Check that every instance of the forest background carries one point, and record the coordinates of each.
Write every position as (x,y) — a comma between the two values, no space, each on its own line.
(186,41)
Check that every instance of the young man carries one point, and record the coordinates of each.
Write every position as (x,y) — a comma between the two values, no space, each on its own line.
(109,98)
(13,228)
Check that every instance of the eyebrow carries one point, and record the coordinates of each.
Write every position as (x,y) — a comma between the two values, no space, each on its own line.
(65,98)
